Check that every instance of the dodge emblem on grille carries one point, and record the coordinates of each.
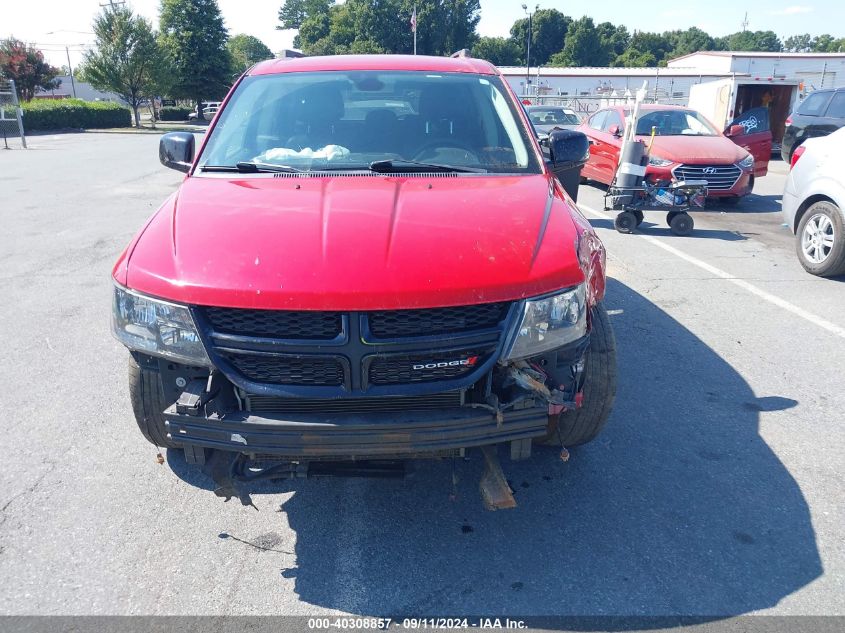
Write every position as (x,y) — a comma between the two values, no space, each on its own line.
(709,170)
(465,362)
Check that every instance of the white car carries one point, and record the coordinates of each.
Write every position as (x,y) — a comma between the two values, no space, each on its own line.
(814,204)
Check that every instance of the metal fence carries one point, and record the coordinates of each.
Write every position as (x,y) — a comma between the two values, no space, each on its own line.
(585,105)
(11,122)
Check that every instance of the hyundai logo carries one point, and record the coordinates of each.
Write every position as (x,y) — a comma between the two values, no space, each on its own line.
(709,170)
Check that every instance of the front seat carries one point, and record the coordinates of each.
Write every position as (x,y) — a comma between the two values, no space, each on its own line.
(317,112)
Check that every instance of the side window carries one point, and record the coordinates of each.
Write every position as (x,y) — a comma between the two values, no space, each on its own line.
(814,104)
(837,106)
(597,120)
(612,119)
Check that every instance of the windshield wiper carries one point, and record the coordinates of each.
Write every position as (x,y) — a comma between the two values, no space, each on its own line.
(401,164)
(246,167)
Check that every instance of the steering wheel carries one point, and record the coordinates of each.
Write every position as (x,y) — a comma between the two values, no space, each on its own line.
(443,143)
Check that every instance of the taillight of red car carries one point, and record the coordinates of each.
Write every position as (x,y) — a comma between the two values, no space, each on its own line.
(799,151)
(788,120)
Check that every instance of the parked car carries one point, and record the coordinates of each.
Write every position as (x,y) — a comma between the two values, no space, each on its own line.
(382,286)
(209,109)
(821,113)
(685,145)
(548,118)
(814,204)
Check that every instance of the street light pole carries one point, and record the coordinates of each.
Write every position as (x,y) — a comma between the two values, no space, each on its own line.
(70,72)
(528,49)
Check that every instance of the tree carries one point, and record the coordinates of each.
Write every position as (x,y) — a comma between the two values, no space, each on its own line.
(659,45)
(548,33)
(127,60)
(499,51)
(247,50)
(194,36)
(614,39)
(443,26)
(690,41)
(583,46)
(763,41)
(292,13)
(25,65)
(633,58)
(798,43)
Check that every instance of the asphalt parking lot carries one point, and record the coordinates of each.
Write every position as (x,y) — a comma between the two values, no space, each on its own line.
(715,490)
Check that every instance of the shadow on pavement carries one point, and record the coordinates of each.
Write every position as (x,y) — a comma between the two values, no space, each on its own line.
(680,507)
(653,228)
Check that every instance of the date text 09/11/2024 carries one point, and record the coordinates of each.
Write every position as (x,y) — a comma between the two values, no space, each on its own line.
(384,624)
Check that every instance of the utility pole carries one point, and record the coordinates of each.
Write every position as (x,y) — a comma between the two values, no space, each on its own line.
(528,50)
(70,72)
(112,4)
(745,22)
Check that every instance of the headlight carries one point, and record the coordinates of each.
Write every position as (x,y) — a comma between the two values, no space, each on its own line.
(156,327)
(747,162)
(656,161)
(550,323)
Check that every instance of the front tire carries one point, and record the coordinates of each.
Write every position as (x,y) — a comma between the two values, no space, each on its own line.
(820,240)
(580,426)
(148,404)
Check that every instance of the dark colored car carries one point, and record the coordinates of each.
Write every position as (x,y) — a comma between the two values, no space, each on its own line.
(548,118)
(821,113)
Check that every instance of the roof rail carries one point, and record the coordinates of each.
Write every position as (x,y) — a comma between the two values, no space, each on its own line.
(464,52)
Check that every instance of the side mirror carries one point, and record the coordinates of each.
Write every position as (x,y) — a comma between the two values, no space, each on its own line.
(568,149)
(614,129)
(735,130)
(176,150)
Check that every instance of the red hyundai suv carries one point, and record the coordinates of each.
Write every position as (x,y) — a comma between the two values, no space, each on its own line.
(369,259)
(682,144)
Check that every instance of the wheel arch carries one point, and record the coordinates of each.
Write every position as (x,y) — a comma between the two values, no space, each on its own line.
(810,201)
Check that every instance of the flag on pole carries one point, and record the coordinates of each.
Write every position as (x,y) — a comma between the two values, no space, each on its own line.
(414,20)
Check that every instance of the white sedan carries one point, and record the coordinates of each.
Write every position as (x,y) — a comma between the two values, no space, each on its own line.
(814,204)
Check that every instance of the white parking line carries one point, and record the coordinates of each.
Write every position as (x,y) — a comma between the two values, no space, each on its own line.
(781,303)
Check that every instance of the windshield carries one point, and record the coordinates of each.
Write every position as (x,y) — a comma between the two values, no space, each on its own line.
(348,120)
(552,116)
(674,123)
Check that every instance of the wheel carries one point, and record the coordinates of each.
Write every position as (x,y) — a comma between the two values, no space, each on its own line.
(681,223)
(670,216)
(148,403)
(820,240)
(580,426)
(639,215)
(625,222)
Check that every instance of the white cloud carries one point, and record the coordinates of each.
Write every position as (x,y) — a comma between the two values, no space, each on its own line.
(793,10)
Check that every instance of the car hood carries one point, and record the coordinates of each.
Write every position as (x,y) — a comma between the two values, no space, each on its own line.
(696,150)
(356,242)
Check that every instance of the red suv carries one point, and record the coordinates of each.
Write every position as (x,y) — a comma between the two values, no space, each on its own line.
(369,259)
(682,145)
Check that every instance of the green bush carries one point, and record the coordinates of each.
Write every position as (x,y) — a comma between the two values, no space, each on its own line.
(174,113)
(57,114)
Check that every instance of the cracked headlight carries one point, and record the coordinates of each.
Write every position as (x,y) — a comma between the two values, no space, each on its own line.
(549,323)
(156,327)
(747,162)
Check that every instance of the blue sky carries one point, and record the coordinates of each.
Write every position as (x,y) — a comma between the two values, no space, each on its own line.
(55,23)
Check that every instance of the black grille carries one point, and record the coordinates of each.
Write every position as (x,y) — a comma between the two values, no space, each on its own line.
(412,368)
(282,324)
(270,404)
(289,370)
(718,177)
(433,321)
